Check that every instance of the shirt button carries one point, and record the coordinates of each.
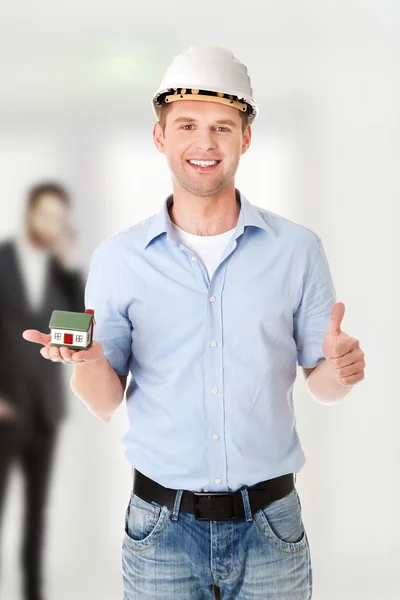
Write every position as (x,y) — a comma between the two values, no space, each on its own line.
(213,344)
(212,299)
(218,480)
(194,259)
(214,390)
(215,436)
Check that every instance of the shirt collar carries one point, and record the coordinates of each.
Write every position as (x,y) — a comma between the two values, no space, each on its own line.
(249,215)
(28,251)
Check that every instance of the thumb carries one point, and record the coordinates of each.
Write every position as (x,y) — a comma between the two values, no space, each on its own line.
(33,335)
(337,315)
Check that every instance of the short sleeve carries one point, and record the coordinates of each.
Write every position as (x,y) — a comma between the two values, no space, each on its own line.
(311,319)
(112,328)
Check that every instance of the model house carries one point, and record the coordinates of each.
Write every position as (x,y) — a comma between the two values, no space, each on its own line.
(72,329)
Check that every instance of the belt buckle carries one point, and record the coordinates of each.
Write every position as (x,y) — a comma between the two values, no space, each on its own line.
(196,508)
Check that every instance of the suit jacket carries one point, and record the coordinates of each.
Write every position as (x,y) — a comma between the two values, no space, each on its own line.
(26,377)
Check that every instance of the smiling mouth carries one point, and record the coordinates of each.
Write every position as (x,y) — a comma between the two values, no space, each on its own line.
(203,165)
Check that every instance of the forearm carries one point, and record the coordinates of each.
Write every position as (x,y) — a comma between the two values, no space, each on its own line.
(324,387)
(98,386)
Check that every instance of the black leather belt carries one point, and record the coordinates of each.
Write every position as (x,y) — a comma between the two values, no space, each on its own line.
(214,506)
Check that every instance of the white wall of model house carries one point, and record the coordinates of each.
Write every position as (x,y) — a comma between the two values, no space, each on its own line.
(79,338)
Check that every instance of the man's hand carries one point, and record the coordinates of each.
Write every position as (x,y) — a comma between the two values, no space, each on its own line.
(65,245)
(342,351)
(63,353)
(7,410)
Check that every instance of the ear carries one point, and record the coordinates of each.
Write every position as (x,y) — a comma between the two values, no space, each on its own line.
(158,137)
(246,139)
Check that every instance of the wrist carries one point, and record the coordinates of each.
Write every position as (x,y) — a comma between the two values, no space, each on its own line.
(324,386)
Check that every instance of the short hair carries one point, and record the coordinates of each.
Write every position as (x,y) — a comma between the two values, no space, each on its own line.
(47,187)
(163,110)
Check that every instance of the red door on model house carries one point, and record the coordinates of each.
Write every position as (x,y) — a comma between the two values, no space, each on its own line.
(67,338)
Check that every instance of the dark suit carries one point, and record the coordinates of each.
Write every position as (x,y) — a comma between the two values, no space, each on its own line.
(36,389)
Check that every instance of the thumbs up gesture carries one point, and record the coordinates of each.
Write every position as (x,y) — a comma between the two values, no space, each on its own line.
(343,352)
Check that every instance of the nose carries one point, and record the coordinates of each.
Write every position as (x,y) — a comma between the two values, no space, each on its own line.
(205,140)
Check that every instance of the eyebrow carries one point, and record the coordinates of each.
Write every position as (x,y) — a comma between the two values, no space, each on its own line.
(218,122)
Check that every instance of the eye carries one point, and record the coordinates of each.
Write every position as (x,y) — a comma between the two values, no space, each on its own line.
(183,127)
(221,127)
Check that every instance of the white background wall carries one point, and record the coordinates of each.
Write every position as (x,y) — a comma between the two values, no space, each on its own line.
(75,104)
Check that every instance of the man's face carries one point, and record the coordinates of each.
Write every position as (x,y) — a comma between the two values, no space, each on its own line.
(47,219)
(202,130)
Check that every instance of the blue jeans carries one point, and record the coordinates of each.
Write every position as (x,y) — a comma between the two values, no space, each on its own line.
(168,554)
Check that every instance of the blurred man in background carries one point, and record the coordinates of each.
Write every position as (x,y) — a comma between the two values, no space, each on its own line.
(36,274)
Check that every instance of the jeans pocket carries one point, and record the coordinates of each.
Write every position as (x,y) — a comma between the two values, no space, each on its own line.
(145,522)
(281,523)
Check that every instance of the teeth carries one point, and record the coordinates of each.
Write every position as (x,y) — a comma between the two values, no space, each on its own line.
(203,163)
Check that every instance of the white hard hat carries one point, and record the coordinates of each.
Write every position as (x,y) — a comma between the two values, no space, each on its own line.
(209,73)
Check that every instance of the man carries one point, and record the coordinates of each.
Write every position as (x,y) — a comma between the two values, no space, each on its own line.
(208,304)
(35,274)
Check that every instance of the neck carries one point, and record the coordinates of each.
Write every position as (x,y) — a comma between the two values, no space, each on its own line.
(31,239)
(208,215)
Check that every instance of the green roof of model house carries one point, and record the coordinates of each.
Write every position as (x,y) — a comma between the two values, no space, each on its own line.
(61,319)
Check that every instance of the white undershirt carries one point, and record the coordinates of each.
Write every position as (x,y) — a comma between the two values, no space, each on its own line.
(209,248)
(33,263)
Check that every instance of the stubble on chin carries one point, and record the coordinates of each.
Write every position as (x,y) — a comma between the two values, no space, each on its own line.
(183,179)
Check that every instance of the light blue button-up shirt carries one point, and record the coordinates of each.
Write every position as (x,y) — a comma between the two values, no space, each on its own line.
(213,362)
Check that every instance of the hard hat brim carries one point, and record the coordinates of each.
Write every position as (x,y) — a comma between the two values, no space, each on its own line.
(175,94)
(206,98)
